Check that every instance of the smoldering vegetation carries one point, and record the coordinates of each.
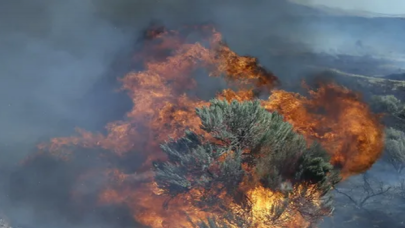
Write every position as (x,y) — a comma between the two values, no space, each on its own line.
(60,61)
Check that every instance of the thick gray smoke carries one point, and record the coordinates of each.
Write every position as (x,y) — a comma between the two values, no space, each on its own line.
(55,52)
(59,63)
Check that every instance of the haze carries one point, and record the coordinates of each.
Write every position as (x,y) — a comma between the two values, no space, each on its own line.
(393,7)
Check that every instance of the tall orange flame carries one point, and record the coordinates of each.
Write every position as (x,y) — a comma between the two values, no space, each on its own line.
(339,120)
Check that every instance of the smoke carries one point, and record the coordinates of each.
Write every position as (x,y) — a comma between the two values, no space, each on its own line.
(390,7)
(53,54)
(60,59)
(59,63)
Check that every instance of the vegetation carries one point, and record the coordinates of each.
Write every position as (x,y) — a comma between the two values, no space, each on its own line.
(212,223)
(395,149)
(246,144)
(389,104)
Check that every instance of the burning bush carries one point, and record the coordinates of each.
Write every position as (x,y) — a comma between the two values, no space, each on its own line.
(251,153)
(235,160)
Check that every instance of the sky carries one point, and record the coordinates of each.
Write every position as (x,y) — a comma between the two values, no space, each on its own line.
(375,6)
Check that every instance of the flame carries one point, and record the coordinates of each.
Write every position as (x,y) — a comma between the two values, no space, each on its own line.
(263,200)
(332,115)
(338,119)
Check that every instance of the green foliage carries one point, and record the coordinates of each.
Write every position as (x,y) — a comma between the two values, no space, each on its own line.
(395,148)
(212,223)
(245,135)
(315,168)
(388,104)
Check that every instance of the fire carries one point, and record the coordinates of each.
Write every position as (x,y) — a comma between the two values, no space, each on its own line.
(338,119)
(263,200)
(163,109)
